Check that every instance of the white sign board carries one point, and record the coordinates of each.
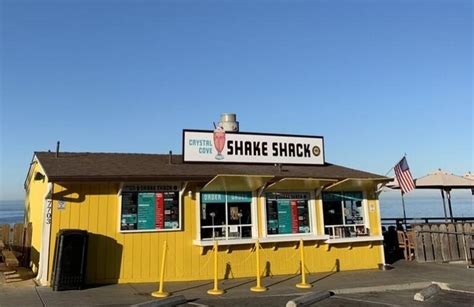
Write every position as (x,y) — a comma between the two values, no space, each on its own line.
(234,147)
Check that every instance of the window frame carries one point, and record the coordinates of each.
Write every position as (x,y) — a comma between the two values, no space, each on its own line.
(227,240)
(366,223)
(180,190)
(311,214)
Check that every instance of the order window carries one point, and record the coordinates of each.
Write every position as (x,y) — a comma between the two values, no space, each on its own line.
(226,216)
(344,214)
(150,207)
(287,213)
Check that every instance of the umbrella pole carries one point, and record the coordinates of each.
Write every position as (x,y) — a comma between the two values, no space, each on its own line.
(448,193)
(404,214)
(444,206)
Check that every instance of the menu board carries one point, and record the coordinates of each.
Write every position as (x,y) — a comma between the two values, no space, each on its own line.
(150,207)
(287,213)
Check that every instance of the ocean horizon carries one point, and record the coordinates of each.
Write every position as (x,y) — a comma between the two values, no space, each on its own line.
(12,211)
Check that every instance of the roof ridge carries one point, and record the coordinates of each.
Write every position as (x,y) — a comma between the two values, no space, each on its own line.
(106,153)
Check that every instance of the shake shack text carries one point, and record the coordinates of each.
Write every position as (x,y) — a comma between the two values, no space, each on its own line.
(276,149)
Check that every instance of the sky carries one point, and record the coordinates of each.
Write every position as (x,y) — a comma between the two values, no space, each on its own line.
(377,79)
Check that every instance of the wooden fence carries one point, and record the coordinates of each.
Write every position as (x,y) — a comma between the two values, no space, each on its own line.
(18,240)
(444,242)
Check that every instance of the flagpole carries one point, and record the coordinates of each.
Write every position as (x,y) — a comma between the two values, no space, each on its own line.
(404,156)
(404,214)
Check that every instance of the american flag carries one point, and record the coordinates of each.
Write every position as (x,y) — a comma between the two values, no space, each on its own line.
(404,177)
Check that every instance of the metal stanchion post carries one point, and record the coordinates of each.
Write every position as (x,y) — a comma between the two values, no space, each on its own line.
(215,290)
(160,292)
(303,284)
(258,287)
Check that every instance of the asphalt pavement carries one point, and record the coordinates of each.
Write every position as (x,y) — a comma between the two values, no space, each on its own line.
(394,287)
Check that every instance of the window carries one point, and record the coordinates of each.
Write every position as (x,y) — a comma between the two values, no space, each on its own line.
(150,207)
(226,216)
(344,214)
(287,213)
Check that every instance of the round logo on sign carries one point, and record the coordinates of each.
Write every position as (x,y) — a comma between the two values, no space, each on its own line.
(316,151)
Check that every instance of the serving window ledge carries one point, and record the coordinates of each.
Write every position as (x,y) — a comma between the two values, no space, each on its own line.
(355,239)
(276,239)
(204,243)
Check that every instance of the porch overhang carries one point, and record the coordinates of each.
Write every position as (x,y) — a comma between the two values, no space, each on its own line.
(299,184)
(356,184)
(236,183)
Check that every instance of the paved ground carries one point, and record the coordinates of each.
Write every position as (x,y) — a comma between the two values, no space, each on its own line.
(394,287)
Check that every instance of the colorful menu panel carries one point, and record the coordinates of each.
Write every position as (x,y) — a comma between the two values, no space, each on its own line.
(146,211)
(303,217)
(284,216)
(294,217)
(171,211)
(128,219)
(159,211)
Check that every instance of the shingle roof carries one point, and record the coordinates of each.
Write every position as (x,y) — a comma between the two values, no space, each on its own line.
(82,166)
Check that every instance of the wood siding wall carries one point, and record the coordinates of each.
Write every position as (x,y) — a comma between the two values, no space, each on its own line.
(135,257)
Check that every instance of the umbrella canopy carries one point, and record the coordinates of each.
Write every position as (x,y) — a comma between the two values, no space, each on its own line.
(443,180)
(469,175)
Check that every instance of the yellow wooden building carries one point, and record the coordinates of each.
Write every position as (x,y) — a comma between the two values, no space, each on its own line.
(131,203)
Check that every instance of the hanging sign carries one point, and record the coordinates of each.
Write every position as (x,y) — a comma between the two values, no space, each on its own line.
(233,147)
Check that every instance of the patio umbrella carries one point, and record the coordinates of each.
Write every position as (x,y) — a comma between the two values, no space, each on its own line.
(445,182)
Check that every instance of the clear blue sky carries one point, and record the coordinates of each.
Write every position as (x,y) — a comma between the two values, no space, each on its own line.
(376,78)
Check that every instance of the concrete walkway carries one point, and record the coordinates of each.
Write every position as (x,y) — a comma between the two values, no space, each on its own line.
(404,276)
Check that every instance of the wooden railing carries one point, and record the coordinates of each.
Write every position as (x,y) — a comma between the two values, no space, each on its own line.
(18,240)
(443,242)
(393,221)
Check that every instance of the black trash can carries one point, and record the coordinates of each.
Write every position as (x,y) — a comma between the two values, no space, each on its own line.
(69,265)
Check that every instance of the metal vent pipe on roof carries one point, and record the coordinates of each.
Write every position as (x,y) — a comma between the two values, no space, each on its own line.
(229,122)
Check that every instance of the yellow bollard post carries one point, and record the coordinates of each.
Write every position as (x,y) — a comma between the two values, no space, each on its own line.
(160,292)
(303,284)
(258,287)
(215,290)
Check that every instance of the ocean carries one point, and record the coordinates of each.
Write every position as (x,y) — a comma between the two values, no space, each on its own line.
(426,203)
(417,204)
(11,211)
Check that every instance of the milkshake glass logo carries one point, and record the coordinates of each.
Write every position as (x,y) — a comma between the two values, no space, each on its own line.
(219,142)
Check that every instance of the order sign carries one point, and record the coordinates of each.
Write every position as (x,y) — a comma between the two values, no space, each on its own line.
(232,147)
